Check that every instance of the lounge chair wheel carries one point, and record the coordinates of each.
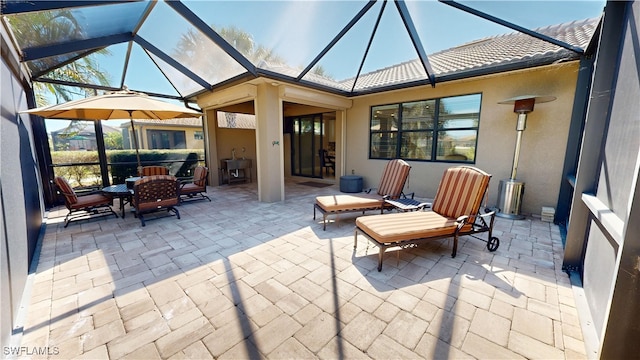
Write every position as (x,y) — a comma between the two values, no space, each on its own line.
(493,243)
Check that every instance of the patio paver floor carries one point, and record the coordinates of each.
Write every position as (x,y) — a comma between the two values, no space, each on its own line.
(236,278)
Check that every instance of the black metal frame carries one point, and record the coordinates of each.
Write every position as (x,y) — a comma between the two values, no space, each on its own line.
(94,44)
(434,131)
(87,212)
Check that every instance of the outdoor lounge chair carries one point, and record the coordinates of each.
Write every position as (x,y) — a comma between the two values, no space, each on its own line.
(197,186)
(155,193)
(455,212)
(82,207)
(391,184)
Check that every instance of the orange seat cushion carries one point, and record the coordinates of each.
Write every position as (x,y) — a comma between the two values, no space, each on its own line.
(336,203)
(90,200)
(191,188)
(398,227)
(156,205)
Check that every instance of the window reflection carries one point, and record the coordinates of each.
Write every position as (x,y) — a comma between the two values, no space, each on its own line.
(443,129)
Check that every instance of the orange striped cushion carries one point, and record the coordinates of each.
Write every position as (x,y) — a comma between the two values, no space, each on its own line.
(200,175)
(147,179)
(90,200)
(64,186)
(154,170)
(331,203)
(397,227)
(393,178)
(461,191)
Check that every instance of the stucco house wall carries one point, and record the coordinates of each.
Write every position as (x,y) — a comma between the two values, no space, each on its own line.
(543,144)
(189,133)
(143,127)
(22,210)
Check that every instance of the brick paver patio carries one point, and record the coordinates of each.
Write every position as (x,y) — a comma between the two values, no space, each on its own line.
(235,278)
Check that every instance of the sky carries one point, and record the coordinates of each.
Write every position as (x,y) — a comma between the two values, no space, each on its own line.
(297,31)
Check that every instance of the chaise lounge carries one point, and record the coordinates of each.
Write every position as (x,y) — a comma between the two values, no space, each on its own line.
(391,184)
(454,213)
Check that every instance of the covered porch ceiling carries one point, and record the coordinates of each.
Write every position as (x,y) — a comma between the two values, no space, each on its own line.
(181,49)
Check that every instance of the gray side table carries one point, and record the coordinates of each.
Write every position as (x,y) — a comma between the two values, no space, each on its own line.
(351,183)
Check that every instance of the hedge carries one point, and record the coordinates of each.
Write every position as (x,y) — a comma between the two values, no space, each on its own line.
(123,164)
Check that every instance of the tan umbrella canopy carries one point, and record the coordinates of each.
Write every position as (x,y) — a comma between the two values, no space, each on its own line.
(117,105)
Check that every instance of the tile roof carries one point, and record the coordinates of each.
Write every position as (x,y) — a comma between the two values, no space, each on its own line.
(83,127)
(486,54)
(236,120)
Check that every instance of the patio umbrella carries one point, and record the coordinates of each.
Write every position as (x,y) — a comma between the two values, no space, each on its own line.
(118,105)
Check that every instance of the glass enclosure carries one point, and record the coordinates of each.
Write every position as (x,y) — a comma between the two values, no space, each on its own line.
(76,147)
(342,46)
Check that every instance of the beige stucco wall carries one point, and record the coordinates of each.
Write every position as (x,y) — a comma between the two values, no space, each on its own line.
(543,144)
(189,133)
(229,139)
(222,141)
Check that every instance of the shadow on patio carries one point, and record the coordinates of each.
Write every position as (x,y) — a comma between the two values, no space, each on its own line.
(236,278)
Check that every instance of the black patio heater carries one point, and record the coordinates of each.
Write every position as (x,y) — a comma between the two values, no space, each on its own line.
(510,191)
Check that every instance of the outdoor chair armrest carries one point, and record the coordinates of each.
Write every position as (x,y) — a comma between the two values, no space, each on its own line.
(80,193)
(462,219)
(63,193)
(488,212)
(405,196)
(387,196)
(185,181)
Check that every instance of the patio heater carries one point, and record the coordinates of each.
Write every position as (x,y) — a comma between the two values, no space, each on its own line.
(510,191)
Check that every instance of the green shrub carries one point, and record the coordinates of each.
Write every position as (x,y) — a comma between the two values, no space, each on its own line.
(180,162)
(85,173)
(82,169)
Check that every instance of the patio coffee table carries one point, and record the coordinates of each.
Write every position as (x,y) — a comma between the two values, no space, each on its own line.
(122,192)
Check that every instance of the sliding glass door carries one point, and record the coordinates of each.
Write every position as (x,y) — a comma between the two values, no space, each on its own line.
(306,141)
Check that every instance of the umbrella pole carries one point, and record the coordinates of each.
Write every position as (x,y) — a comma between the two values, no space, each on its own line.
(135,142)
